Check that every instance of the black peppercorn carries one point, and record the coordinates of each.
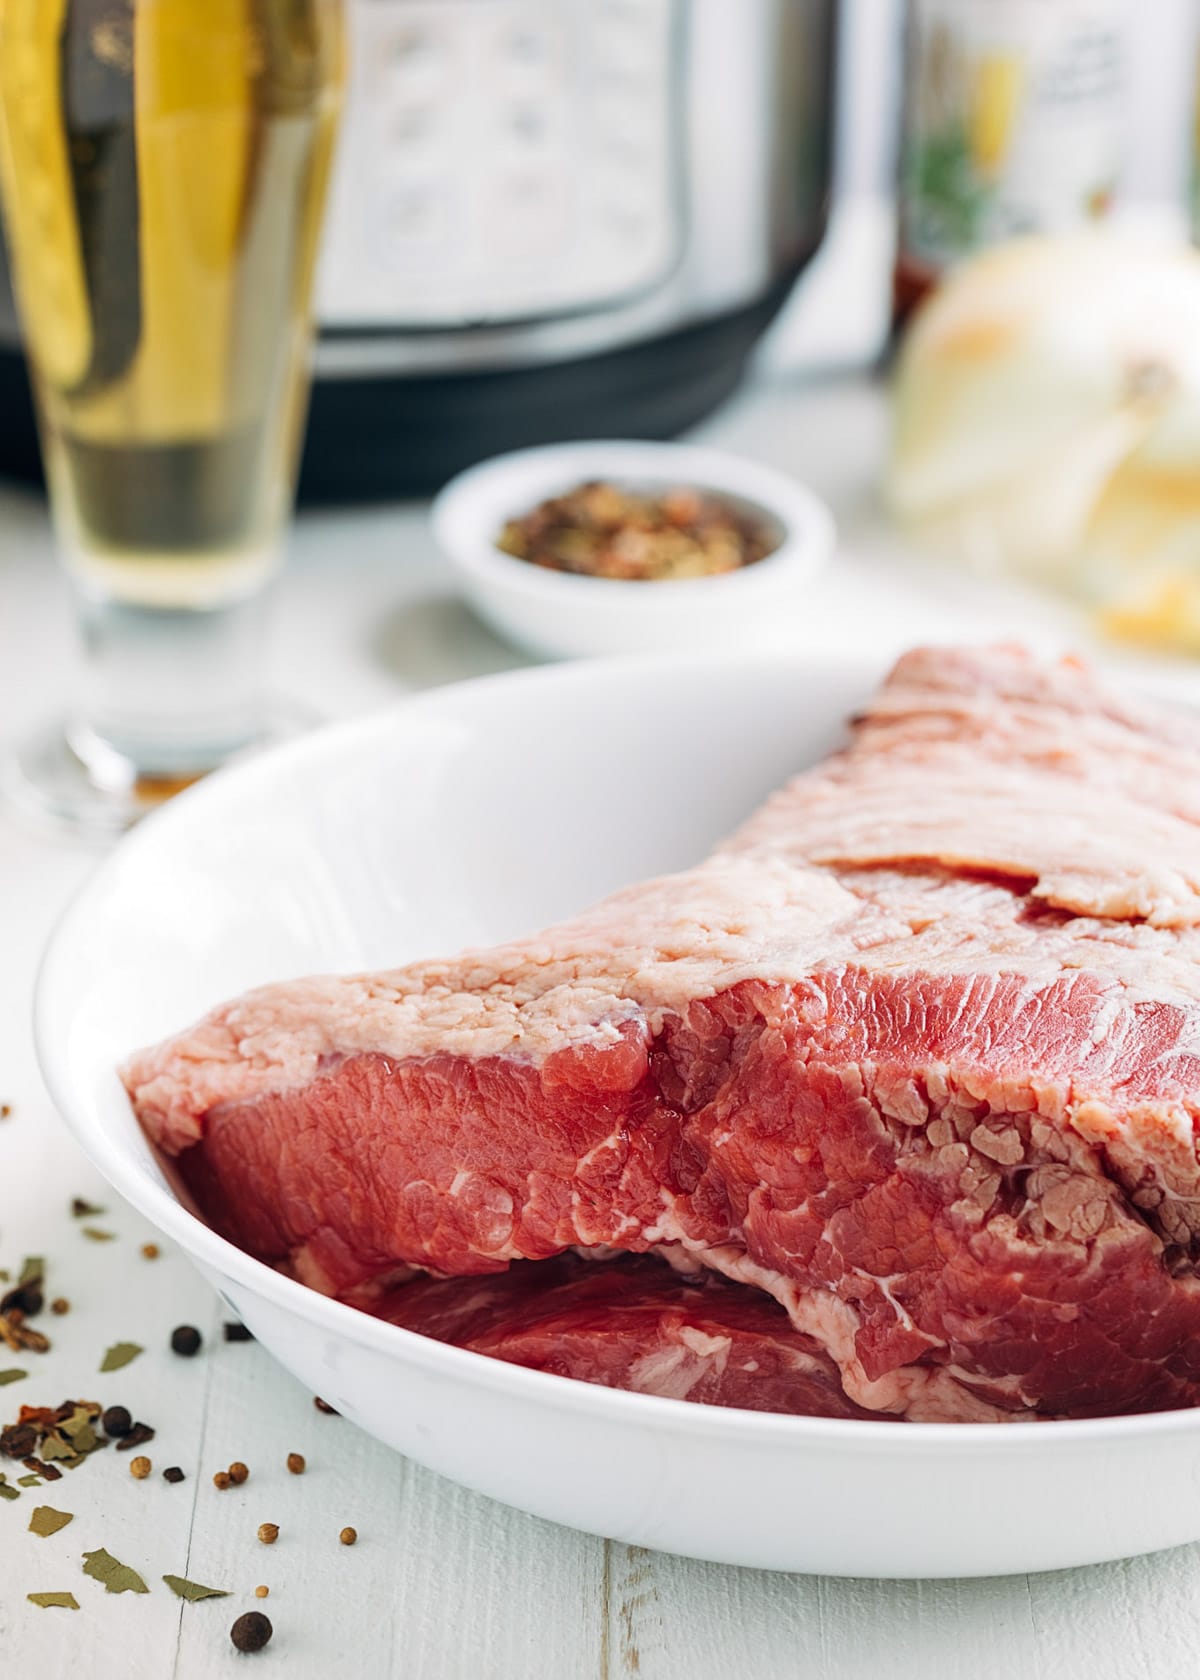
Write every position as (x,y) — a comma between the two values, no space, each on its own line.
(186,1340)
(237,1333)
(173,1474)
(251,1631)
(117,1422)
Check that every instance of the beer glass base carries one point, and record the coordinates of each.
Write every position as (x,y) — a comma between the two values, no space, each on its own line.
(94,793)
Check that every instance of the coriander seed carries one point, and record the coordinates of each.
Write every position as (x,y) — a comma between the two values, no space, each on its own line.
(140,1467)
(185,1340)
(60,1305)
(117,1422)
(150,1251)
(268,1533)
(238,1472)
(296,1463)
(251,1631)
(261,1592)
(222,1480)
(348,1536)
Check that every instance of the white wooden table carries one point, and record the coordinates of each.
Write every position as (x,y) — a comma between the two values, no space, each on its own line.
(443,1584)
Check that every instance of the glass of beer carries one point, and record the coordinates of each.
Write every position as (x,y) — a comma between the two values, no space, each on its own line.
(163,172)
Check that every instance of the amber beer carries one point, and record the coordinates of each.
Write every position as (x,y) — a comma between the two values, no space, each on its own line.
(163,166)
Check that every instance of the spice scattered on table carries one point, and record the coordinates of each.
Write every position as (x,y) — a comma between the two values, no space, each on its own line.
(120,1355)
(348,1536)
(85,1210)
(604,530)
(324,1406)
(138,1435)
(140,1467)
(65,1434)
(12,1375)
(192,1590)
(60,1305)
(94,1234)
(235,1332)
(173,1474)
(262,1592)
(22,1302)
(150,1251)
(46,1521)
(238,1472)
(116,1422)
(222,1480)
(116,1576)
(186,1341)
(53,1600)
(296,1463)
(251,1631)
(268,1533)
(5,1111)
(6,1491)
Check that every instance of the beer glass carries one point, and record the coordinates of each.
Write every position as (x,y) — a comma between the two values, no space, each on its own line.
(163,171)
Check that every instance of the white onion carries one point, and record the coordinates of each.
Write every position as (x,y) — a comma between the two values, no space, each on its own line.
(1047,420)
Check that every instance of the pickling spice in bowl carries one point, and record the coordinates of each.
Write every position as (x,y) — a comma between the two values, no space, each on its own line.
(606,530)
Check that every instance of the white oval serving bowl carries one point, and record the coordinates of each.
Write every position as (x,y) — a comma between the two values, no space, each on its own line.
(472,814)
(561,615)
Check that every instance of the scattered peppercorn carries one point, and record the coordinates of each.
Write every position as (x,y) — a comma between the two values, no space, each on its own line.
(117,1422)
(60,1305)
(185,1340)
(251,1631)
(348,1536)
(238,1472)
(237,1333)
(137,1437)
(296,1464)
(261,1592)
(324,1406)
(173,1474)
(222,1480)
(140,1467)
(150,1251)
(268,1533)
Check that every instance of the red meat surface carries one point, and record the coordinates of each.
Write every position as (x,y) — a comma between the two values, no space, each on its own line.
(631,1323)
(916,1054)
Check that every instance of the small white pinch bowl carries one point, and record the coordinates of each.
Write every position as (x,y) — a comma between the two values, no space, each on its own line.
(562,615)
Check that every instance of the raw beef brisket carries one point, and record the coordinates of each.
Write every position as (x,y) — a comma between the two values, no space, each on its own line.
(916,1053)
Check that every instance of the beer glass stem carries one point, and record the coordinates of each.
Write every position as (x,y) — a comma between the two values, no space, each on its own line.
(167,693)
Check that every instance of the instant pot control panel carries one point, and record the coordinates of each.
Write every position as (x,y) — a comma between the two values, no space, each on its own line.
(503,160)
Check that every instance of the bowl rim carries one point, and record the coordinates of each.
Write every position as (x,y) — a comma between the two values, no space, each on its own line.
(463,518)
(618,1407)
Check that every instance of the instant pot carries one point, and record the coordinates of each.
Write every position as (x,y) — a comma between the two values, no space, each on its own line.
(549,219)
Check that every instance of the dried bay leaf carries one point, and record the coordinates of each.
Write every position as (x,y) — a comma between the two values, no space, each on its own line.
(93,1234)
(13,1374)
(116,1576)
(46,1520)
(29,1481)
(33,1271)
(84,1210)
(192,1590)
(6,1491)
(120,1355)
(54,1601)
